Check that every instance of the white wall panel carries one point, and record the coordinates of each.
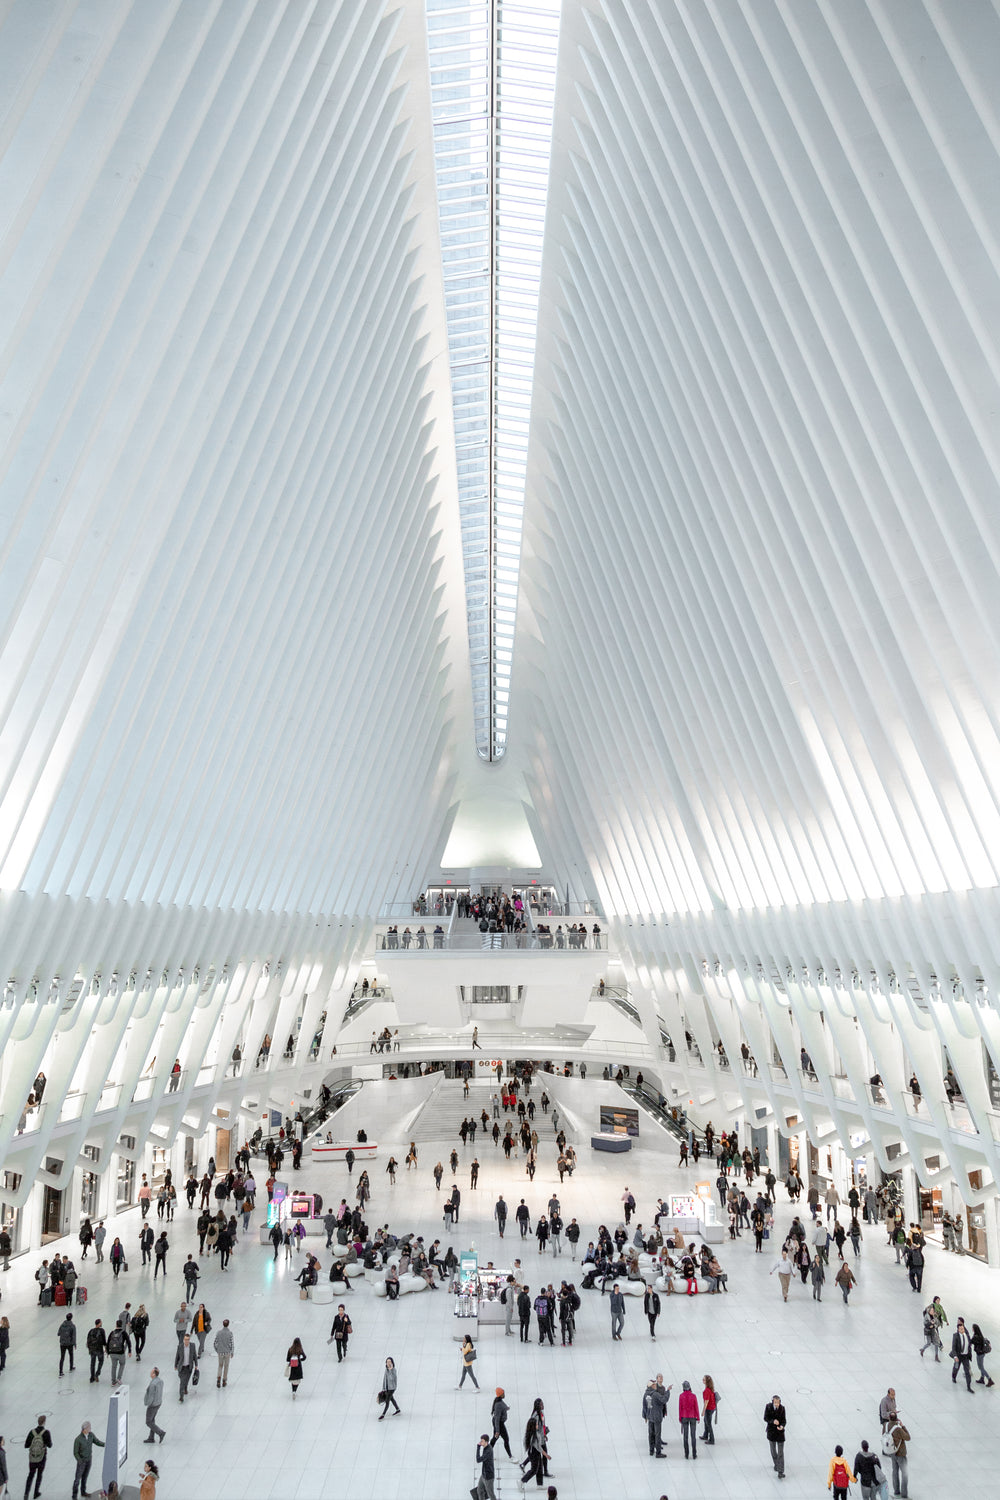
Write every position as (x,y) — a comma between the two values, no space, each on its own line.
(760,670)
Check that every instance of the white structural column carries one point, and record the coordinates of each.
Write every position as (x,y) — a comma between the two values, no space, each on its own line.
(229,564)
(761,655)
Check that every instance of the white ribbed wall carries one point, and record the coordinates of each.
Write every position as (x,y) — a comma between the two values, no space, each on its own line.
(760,656)
(232,630)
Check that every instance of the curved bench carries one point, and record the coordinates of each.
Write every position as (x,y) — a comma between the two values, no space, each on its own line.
(678,1285)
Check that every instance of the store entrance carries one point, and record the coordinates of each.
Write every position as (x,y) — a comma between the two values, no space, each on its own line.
(976,1236)
(931,1209)
(52,1208)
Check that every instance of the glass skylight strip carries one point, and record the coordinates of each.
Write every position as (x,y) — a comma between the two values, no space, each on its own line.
(492,69)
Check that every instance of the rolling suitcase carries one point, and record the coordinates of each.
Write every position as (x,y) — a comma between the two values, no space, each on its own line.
(45,1297)
(59,1295)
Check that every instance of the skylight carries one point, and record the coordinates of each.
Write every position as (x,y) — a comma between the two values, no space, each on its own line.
(493,67)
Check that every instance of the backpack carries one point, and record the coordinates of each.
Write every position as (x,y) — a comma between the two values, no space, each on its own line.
(840,1475)
(987,1346)
(503,1296)
(36,1449)
(116,1342)
(889,1445)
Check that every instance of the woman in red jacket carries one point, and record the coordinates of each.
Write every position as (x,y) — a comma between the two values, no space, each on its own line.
(687,1414)
(709,1402)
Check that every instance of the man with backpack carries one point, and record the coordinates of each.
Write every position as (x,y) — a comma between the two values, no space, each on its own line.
(38,1442)
(67,1342)
(97,1343)
(117,1352)
(894,1441)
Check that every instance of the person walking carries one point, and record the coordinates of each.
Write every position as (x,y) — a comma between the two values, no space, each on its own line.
(100,1235)
(117,1256)
(709,1406)
(687,1415)
(784,1266)
(191,1274)
(201,1327)
(894,1448)
(961,1353)
(846,1280)
(817,1275)
(186,1365)
(67,1342)
(116,1352)
(839,1474)
(499,1412)
(981,1346)
(536,1454)
(340,1332)
(38,1442)
(225,1347)
(152,1400)
(294,1360)
(468,1359)
(83,1452)
(4,1342)
(617,1307)
(934,1317)
(160,1252)
(651,1307)
(97,1343)
(500,1214)
(140,1328)
(775,1419)
(869,1472)
(388,1391)
(182,1321)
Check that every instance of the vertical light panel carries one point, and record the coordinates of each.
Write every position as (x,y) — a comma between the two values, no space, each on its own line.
(493,69)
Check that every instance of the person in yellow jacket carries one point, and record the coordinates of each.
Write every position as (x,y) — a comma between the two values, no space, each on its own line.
(839,1476)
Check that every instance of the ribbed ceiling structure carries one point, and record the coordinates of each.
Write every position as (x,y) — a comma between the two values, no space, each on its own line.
(755,692)
(759,635)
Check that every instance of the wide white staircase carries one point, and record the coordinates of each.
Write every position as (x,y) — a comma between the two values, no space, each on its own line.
(448,1107)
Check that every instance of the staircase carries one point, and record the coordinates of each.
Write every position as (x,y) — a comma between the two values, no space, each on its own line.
(448,1107)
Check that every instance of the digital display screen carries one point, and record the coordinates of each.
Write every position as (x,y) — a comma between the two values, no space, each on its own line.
(615,1121)
(301,1208)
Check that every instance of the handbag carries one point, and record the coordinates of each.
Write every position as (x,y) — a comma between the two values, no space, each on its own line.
(303,1294)
(381,1398)
(196,1376)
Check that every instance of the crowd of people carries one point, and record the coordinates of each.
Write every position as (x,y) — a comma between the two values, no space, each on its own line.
(631,1251)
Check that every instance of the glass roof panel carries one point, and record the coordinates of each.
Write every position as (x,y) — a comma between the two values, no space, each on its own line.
(493,68)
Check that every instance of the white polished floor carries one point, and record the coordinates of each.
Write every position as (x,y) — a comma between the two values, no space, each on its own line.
(831,1364)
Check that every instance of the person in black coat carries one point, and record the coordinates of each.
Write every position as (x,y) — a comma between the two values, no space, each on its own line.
(651,1307)
(774,1416)
(484,1458)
